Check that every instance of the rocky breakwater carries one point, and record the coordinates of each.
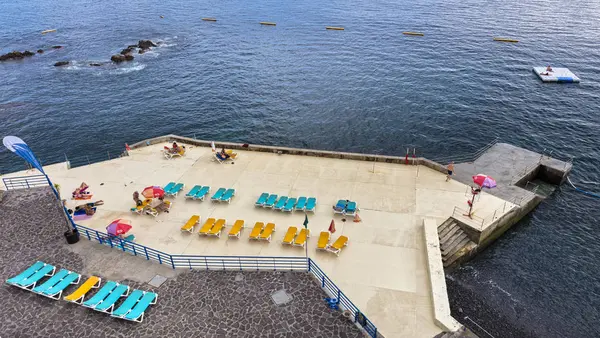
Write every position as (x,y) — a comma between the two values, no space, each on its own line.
(16,55)
(127,53)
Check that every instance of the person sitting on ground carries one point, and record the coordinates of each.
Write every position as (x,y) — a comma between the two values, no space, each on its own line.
(549,69)
(136,198)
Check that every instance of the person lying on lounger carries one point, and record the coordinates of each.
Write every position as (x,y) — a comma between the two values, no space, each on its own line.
(81,192)
(89,208)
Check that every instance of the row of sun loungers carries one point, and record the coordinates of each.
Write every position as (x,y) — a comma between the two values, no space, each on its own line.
(104,300)
(285,203)
(262,232)
(345,207)
(336,247)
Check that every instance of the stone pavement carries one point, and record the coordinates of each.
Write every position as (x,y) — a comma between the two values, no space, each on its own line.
(190,304)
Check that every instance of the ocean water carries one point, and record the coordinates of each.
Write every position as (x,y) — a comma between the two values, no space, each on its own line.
(365,89)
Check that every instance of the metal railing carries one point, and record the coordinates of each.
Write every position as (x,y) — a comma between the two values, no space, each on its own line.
(25,182)
(465,158)
(293,263)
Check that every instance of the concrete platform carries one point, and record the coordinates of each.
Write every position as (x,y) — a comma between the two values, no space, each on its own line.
(561,75)
(384,268)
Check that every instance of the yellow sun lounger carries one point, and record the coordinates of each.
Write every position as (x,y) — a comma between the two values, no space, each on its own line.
(338,245)
(236,229)
(257,230)
(323,240)
(191,223)
(206,227)
(77,296)
(268,232)
(290,235)
(302,237)
(217,228)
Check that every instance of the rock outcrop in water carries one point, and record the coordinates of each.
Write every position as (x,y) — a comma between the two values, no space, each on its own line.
(145,44)
(61,63)
(117,58)
(95,64)
(126,54)
(16,55)
(57,47)
(40,51)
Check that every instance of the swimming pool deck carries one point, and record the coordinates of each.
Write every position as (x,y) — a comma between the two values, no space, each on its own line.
(383,270)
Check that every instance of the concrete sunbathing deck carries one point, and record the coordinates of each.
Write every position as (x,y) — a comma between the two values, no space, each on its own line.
(383,270)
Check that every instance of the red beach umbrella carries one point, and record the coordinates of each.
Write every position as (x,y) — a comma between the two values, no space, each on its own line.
(484,181)
(118,227)
(153,192)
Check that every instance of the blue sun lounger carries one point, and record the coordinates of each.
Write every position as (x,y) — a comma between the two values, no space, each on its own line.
(281,203)
(175,190)
(228,195)
(262,199)
(301,204)
(100,295)
(289,206)
(169,186)
(137,313)
(202,193)
(27,273)
(51,281)
(270,201)
(192,193)
(311,203)
(340,207)
(128,304)
(108,304)
(217,196)
(350,209)
(31,281)
(56,291)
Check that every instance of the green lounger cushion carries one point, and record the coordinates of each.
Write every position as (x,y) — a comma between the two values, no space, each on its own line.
(100,295)
(262,199)
(140,307)
(128,304)
(33,279)
(58,288)
(194,191)
(51,282)
(112,298)
(218,194)
(27,273)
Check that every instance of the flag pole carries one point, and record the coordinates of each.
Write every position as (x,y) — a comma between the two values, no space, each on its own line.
(306,243)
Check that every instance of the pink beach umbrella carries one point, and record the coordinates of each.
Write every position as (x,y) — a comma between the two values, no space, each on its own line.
(118,227)
(484,181)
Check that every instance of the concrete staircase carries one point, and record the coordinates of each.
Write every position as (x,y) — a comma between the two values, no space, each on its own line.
(452,240)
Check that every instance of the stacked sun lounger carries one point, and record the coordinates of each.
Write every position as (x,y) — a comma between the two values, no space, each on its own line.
(284,203)
(104,300)
(292,237)
(198,192)
(345,207)
(223,195)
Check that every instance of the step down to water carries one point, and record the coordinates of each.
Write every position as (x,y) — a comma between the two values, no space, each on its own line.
(457,247)
(446,236)
(457,238)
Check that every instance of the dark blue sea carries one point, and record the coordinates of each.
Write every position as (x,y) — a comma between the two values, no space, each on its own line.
(365,89)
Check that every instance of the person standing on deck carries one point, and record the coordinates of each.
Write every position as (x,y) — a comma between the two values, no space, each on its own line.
(450,168)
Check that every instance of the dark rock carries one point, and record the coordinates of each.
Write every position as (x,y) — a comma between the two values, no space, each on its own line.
(40,51)
(57,47)
(126,51)
(95,64)
(28,53)
(117,58)
(145,44)
(128,57)
(132,46)
(142,51)
(12,56)
(61,63)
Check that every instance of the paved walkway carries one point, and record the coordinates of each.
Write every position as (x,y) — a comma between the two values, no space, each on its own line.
(383,269)
(190,304)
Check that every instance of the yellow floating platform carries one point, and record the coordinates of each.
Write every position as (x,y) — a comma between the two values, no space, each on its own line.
(209,19)
(413,33)
(505,40)
(266,23)
(49,31)
(334,28)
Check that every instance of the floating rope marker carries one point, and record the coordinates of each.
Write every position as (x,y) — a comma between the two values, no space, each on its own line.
(49,31)
(413,33)
(506,40)
(209,19)
(266,23)
(332,28)
(581,190)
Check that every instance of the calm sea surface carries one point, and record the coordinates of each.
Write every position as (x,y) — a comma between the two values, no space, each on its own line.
(365,89)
